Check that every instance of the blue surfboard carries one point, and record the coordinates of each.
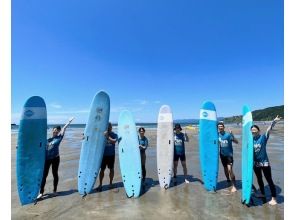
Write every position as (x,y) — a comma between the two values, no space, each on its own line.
(208,138)
(247,155)
(94,142)
(129,154)
(31,146)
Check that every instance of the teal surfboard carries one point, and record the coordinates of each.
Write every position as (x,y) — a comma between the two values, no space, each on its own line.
(247,155)
(129,154)
(208,138)
(31,146)
(94,142)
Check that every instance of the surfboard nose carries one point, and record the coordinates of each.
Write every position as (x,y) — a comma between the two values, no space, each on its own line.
(208,105)
(165,109)
(35,101)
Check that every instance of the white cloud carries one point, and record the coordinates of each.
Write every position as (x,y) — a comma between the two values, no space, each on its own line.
(55,117)
(82,111)
(143,102)
(15,117)
(121,108)
(55,105)
(118,109)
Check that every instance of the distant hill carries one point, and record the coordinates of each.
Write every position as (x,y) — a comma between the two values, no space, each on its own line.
(192,121)
(186,121)
(266,114)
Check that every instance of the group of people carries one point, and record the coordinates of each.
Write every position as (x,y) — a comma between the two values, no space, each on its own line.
(261,161)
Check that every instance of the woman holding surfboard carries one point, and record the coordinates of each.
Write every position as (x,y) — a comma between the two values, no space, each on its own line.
(52,157)
(261,161)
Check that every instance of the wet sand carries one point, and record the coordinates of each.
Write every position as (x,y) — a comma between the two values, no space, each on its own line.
(181,201)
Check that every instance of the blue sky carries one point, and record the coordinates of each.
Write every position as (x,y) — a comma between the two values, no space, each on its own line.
(145,54)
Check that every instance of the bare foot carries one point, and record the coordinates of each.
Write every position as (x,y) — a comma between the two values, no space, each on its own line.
(273,202)
(233,189)
(40,196)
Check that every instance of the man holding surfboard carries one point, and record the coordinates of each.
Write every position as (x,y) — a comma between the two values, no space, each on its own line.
(225,140)
(52,156)
(108,157)
(261,161)
(179,150)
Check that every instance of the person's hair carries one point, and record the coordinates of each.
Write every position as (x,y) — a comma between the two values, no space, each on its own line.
(255,126)
(177,126)
(220,123)
(57,127)
(141,129)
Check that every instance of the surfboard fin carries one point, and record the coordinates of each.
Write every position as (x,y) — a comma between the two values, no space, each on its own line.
(165,186)
(130,196)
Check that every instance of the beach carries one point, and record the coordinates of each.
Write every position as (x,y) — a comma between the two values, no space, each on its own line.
(180,201)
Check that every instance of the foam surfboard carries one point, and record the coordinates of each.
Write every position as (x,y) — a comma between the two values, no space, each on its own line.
(208,138)
(247,155)
(129,154)
(165,146)
(31,149)
(94,142)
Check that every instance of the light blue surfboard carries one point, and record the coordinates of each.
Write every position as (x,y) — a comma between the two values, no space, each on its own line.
(208,138)
(247,155)
(129,154)
(31,146)
(94,142)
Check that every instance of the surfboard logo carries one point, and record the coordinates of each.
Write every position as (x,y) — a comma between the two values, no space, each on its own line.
(204,114)
(99,110)
(28,113)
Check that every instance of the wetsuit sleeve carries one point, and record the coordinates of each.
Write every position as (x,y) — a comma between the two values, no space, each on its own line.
(146,143)
(57,141)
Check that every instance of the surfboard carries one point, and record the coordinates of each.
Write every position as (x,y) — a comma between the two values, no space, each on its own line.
(247,155)
(129,154)
(94,143)
(165,146)
(31,149)
(208,138)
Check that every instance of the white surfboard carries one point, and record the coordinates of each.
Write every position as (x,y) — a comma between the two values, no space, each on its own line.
(165,146)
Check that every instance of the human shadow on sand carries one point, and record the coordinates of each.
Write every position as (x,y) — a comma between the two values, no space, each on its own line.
(60,193)
(181,179)
(149,183)
(259,201)
(114,188)
(227,185)
(256,201)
